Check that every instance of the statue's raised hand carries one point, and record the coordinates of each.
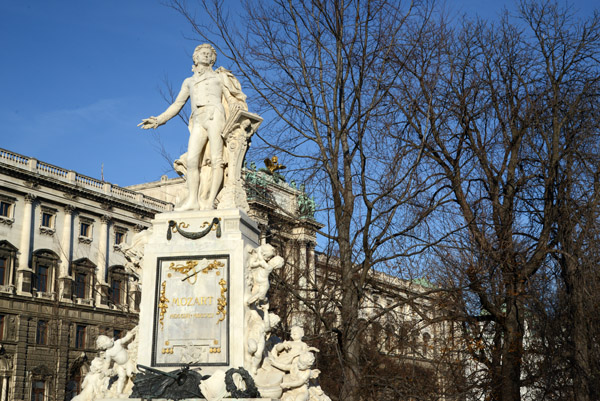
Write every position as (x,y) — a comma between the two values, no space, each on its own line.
(148,123)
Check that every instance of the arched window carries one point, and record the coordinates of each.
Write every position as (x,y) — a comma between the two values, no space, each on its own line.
(77,372)
(41,383)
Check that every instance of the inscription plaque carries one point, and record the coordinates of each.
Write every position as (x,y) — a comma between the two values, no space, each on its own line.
(191,316)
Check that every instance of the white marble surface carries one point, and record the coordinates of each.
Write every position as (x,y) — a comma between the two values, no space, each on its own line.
(238,231)
(190,399)
(216,99)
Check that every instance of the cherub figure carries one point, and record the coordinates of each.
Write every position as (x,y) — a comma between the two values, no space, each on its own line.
(95,381)
(258,328)
(261,263)
(295,383)
(117,355)
(285,352)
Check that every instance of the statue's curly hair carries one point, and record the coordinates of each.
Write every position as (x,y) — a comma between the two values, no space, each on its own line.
(213,59)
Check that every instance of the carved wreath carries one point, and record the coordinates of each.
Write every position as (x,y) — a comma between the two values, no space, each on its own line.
(251,390)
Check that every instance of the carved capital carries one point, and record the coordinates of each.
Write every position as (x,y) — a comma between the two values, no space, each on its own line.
(30,198)
(105,219)
(138,228)
(69,209)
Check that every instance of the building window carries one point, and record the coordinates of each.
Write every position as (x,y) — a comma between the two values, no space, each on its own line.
(116,287)
(7,257)
(426,343)
(38,390)
(120,235)
(80,336)
(83,271)
(85,230)
(3,267)
(41,335)
(47,219)
(7,209)
(117,334)
(2,320)
(41,278)
(80,285)
(45,263)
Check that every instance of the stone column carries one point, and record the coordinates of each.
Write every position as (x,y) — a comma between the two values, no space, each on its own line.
(24,272)
(4,396)
(102,261)
(65,274)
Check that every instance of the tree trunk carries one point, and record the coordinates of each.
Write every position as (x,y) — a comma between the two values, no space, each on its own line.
(512,352)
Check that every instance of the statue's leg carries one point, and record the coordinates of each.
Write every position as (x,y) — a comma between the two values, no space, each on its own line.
(196,144)
(215,128)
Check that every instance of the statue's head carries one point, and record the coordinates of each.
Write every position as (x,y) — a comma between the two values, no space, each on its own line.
(205,47)
(306,360)
(104,342)
(267,251)
(297,333)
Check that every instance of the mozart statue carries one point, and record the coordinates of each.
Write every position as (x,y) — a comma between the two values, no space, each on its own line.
(215,97)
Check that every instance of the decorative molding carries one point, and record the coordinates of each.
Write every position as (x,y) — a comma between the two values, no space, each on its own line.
(8,199)
(69,209)
(84,240)
(105,219)
(47,231)
(8,289)
(70,196)
(31,184)
(30,198)
(6,220)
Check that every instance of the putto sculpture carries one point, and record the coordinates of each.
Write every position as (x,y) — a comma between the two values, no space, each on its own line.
(116,359)
(220,127)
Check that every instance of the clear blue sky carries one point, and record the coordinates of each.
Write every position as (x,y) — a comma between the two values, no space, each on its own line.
(77,76)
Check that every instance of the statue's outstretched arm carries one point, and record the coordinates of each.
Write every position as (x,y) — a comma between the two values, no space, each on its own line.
(170,112)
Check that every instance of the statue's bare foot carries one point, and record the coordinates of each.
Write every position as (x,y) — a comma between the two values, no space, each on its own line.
(206,205)
(188,205)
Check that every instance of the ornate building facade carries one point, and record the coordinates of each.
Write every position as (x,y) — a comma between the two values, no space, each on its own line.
(63,280)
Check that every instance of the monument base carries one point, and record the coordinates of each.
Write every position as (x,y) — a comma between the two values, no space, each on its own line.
(192,309)
(189,399)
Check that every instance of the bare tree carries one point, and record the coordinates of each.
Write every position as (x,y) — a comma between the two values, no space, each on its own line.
(323,73)
(499,110)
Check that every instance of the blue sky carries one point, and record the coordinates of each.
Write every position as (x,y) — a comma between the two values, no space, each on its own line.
(77,76)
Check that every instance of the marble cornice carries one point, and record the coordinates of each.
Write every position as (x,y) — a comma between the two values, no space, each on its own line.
(53,183)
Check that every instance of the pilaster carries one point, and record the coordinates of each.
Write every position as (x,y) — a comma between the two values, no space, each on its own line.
(24,272)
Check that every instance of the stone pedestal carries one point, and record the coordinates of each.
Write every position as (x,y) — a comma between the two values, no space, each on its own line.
(192,308)
(191,399)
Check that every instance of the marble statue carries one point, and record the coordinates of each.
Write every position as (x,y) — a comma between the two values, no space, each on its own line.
(262,261)
(95,381)
(286,351)
(115,358)
(298,374)
(134,252)
(215,97)
(258,328)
